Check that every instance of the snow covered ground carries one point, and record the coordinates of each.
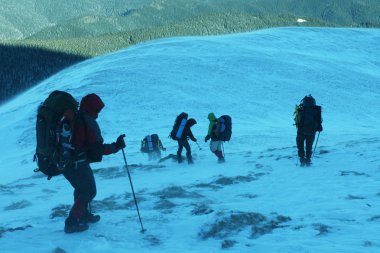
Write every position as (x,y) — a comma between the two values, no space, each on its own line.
(259,200)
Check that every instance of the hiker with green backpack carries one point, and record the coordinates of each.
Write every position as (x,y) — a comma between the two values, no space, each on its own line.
(219,131)
(69,140)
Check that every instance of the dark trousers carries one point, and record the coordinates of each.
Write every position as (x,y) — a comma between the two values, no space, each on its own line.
(301,139)
(83,181)
(184,144)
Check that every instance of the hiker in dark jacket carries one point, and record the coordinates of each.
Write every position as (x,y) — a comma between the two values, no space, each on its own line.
(89,148)
(213,132)
(183,141)
(308,121)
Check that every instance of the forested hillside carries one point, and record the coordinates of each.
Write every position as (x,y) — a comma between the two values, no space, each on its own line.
(69,31)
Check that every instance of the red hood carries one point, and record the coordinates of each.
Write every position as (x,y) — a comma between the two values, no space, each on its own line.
(92,104)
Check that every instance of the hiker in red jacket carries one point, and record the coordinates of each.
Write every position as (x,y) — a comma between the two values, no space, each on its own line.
(89,148)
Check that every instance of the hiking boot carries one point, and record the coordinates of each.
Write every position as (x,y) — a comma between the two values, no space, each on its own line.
(179,157)
(73,225)
(189,159)
(308,162)
(221,160)
(302,161)
(90,218)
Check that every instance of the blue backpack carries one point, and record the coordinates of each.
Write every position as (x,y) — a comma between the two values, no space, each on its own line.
(179,126)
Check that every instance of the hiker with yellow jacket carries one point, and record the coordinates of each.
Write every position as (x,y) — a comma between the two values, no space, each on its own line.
(213,134)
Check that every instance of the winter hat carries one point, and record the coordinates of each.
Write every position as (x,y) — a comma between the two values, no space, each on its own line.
(191,122)
(211,116)
(92,104)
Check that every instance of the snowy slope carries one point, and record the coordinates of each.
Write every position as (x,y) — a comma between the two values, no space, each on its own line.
(259,200)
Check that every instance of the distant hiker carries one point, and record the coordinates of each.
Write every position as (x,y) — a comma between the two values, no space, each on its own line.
(89,148)
(308,121)
(219,130)
(152,145)
(183,141)
(182,132)
(215,143)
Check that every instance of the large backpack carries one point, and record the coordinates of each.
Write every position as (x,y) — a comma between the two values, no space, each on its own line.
(308,115)
(179,126)
(54,129)
(224,128)
(149,143)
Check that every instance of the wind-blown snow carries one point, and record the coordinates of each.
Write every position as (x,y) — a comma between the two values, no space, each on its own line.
(259,200)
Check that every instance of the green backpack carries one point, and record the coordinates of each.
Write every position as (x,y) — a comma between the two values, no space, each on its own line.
(54,130)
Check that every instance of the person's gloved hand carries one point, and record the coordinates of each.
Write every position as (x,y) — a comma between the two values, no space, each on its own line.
(164,149)
(120,144)
(207,138)
(195,139)
(320,128)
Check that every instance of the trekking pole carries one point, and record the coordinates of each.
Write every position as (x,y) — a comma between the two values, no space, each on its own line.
(198,146)
(133,191)
(316,144)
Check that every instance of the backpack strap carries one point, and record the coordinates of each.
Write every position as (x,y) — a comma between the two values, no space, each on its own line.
(79,157)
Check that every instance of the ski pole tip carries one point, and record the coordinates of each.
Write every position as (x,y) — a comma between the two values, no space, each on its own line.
(142,231)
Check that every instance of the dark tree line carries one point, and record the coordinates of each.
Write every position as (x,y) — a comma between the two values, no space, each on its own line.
(23,67)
